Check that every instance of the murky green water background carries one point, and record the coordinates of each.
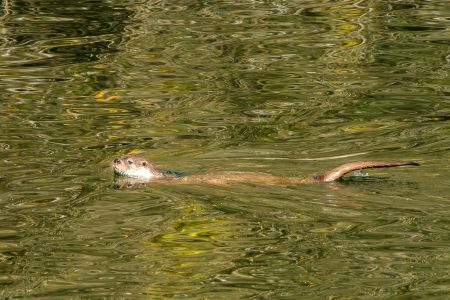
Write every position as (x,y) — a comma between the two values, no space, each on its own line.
(287,87)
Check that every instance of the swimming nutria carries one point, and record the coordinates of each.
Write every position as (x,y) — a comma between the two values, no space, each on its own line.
(139,168)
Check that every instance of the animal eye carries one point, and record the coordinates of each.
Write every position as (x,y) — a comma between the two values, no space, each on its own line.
(130,162)
(144,163)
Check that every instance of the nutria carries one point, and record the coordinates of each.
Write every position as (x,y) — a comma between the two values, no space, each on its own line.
(132,166)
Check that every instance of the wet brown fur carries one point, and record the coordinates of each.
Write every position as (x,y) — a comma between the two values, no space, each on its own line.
(225,178)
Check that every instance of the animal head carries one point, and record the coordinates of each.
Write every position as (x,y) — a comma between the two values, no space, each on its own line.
(135,167)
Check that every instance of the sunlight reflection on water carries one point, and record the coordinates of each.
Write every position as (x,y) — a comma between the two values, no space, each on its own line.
(286,88)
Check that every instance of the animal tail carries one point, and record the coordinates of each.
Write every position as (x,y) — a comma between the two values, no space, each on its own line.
(338,172)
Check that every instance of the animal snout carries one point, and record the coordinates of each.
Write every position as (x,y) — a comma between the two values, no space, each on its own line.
(116,161)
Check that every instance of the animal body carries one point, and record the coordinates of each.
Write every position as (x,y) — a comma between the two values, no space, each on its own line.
(132,166)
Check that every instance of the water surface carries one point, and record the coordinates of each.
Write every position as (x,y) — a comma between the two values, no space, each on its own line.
(291,88)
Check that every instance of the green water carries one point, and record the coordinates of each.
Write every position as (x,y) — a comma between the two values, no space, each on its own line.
(286,87)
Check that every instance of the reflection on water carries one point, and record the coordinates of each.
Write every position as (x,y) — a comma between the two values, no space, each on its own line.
(280,87)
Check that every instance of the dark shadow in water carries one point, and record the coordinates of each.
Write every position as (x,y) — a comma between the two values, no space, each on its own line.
(377,183)
(57,33)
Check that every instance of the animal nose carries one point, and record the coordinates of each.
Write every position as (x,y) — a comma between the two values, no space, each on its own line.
(116,161)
